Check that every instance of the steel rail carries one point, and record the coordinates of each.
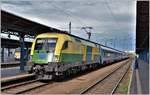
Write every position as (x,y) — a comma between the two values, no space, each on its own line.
(114,89)
(15,85)
(22,84)
(100,80)
(23,91)
(8,81)
(10,65)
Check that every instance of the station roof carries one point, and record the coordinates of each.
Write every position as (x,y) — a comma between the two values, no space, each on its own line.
(11,43)
(142,26)
(20,25)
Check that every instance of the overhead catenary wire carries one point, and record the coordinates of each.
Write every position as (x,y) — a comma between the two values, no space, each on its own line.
(75,17)
(112,14)
(68,13)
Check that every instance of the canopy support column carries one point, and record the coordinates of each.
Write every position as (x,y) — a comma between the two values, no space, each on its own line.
(8,52)
(22,46)
(2,54)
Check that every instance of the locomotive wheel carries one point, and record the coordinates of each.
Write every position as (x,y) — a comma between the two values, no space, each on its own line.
(30,71)
(79,69)
(68,72)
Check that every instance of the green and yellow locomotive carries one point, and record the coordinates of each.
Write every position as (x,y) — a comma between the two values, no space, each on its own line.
(61,54)
(56,54)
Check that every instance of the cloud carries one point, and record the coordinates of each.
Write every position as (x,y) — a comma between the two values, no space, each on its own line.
(109,18)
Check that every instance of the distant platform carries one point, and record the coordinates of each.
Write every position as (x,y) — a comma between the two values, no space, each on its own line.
(8,59)
(140,79)
(11,62)
(6,79)
(13,71)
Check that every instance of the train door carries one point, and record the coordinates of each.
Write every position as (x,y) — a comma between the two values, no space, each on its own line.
(88,54)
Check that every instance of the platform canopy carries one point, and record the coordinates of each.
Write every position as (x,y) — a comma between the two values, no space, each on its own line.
(15,25)
(142,26)
(11,43)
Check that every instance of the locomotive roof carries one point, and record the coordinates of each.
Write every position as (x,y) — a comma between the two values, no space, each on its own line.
(106,47)
(109,49)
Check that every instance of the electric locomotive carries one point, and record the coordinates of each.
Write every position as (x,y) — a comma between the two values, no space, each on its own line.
(60,54)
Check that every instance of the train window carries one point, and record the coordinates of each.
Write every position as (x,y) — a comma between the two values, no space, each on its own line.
(65,45)
(108,54)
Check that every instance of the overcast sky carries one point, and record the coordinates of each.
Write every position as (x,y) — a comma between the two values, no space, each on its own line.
(113,21)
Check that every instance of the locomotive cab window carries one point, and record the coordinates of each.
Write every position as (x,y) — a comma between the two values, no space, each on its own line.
(47,44)
(65,45)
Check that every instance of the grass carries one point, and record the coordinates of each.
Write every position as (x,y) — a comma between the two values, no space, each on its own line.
(123,89)
(123,86)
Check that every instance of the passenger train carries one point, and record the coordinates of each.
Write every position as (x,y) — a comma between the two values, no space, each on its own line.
(17,53)
(55,55)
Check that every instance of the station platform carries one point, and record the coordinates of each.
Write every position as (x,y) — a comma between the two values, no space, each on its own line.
(11,67)
(13,71)
(10,62)
(8,59)
(7,79)
(140,78)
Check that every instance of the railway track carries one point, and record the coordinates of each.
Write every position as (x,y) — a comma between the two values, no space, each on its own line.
(9,81)
(23,87)
(35,86)
(76,85)
(109,83)
(9,65)
(116,86)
